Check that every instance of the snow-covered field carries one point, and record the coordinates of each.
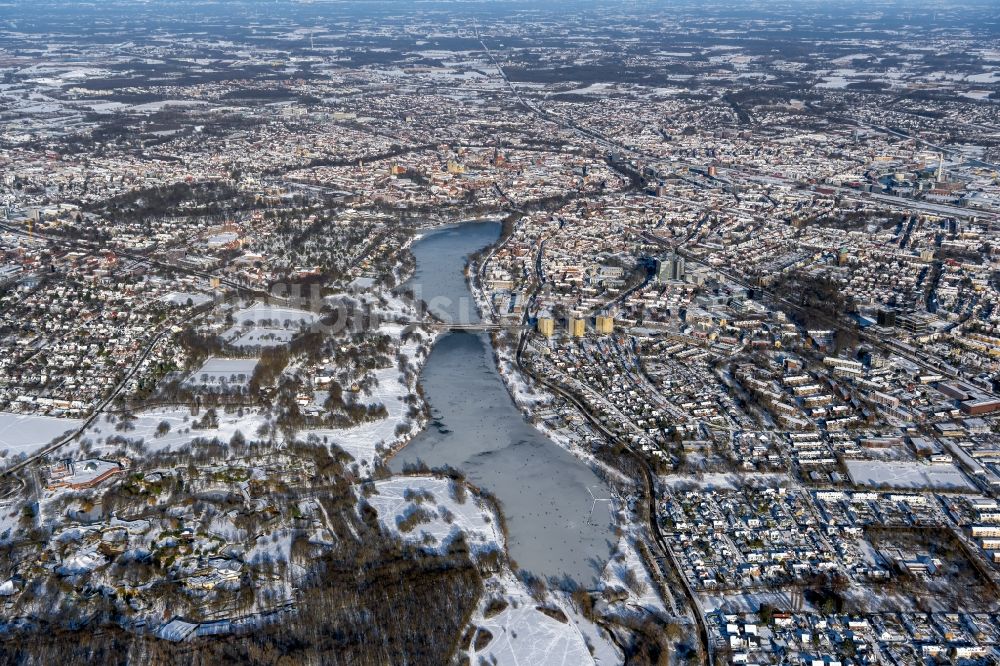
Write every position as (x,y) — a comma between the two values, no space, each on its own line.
(721,480)
(180,431)
(525,635)
(522,634)
(361,441)
(399,497)
(875,473)
(262,314)
(26,433)
(267,325)
(181,298)
(616,575)
(239,336)
(232,371)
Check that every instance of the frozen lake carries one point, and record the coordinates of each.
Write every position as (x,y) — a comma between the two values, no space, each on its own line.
(475,427)
(439,278)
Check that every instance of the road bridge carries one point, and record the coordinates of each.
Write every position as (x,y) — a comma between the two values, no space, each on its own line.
(480,326)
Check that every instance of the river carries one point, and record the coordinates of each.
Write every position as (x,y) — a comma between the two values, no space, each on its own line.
(544,491)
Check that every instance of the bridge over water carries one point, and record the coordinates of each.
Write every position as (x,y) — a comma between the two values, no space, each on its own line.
(479,326)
